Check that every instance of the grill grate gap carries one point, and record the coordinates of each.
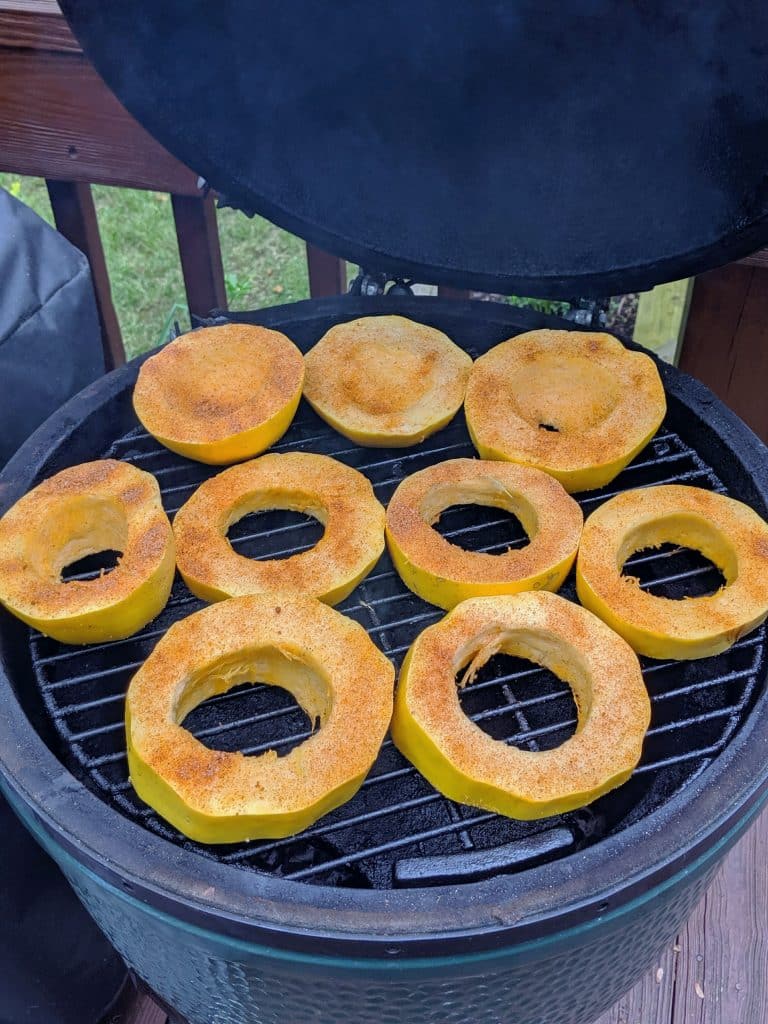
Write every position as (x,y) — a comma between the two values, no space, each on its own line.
(397,816)
(258,534)
(674,572)
(481,528)
(543,717)
(251,715)
(90,567)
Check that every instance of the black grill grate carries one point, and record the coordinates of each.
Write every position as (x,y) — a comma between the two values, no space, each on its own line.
(397,830)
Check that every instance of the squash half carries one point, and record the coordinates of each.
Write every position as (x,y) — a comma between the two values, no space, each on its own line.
(466,764)
(577,405)
(340,497)
(443,573)
(221,394)
(724,530)
(386,381)
(97,506)
(325,660)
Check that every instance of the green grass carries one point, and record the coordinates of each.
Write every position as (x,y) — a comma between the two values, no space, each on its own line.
(262,265)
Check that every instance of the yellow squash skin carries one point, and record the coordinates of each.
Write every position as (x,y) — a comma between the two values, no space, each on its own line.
(579,406)
(340,497)
(89,508)
(727,532)
(386,381)
(372,438)
(324,659)
(443,573)
(447,594)
(463,762)
(241,446)
(221,394)
(573,480)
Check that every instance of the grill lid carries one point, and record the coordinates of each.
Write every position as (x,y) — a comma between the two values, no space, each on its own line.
(600,149)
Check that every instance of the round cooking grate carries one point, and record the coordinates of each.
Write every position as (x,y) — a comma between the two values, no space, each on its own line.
(398,831)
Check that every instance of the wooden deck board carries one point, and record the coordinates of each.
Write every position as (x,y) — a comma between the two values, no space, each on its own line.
(726,339)
(651,1000)
(722,977)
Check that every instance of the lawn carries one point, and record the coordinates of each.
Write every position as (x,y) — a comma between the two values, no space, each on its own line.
(262,264)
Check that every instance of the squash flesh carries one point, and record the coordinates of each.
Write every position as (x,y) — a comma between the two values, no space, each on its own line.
(326,661)
(727,532)
(340,497)
(576,405)
(221,394)
(83,510)
(463,762)
(238,447)
(386,381)
(444,574)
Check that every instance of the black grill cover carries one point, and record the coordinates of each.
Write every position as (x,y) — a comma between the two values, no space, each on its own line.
(50,339)
(503,144)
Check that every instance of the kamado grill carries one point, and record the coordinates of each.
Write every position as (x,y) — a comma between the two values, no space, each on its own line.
(401,905)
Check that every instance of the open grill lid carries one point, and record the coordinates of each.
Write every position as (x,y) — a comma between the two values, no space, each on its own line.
(489,144)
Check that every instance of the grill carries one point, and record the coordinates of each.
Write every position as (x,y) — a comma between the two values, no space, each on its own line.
(399,872)
(398,829)
(440,143)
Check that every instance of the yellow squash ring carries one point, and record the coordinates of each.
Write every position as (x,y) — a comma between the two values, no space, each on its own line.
(385,380)
(340,497)
(221,394)
(466,764)
(445,574)
(577,405)
(727,532)
(325,660)
(97,506)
